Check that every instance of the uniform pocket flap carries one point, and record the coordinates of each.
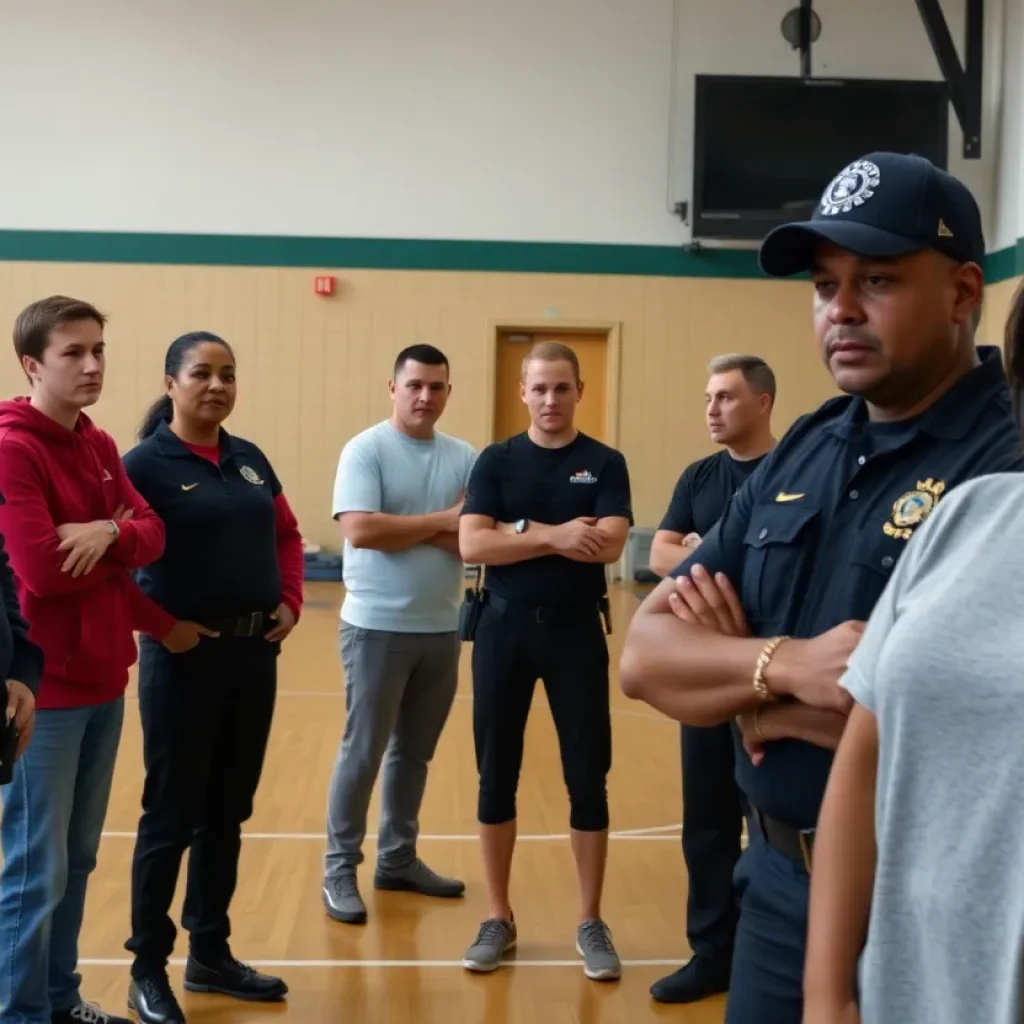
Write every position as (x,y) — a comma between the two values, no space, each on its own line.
(777,524)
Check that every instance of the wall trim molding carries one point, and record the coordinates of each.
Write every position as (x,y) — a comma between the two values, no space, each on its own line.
(407,254)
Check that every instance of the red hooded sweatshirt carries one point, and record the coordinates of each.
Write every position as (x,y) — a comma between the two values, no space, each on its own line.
(51,476)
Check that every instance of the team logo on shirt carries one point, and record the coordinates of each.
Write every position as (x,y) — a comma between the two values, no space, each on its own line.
(583,476)
(851,187)
(913,508)
(250,474)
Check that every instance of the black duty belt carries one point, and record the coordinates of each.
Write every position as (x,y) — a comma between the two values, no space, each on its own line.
(241,626)
(795,843)
(549,615)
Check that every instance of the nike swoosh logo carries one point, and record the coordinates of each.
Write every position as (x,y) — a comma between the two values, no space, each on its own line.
(786,496)
(188,487)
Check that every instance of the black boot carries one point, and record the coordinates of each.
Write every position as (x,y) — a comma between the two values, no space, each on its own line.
(150,997)
(226,976)
(697,979)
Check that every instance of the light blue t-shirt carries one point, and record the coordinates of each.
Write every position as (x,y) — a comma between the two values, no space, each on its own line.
(417,590)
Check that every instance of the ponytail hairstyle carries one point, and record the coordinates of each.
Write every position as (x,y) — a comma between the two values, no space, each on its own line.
(1013,354)
(162,410)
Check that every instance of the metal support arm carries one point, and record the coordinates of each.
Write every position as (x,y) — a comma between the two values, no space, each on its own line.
(964,81)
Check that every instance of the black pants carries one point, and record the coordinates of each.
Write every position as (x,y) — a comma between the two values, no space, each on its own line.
(206,718)
(712,826)
(511,651)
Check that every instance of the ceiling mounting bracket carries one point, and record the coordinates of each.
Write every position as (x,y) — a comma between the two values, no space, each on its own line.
(964,80)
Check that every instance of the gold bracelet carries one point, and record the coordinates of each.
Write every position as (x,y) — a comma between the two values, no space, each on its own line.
(763,660)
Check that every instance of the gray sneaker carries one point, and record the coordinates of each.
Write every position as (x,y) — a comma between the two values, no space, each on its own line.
(342,900)
(417,877)
(594,944)
(495,938)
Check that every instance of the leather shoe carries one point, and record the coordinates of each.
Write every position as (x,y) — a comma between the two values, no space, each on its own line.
(227,976)
(150,998)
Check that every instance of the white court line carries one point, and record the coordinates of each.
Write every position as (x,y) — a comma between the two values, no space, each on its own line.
(335,964)
(659,834)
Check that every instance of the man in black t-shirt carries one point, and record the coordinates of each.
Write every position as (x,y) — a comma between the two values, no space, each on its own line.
(546,511)
(740,396)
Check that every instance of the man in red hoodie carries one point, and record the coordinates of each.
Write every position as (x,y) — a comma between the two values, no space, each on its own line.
(75,529)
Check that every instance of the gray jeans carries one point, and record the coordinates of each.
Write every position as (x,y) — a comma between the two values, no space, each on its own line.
(399,688)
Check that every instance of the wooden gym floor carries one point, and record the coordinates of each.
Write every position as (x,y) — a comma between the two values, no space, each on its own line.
(404,966)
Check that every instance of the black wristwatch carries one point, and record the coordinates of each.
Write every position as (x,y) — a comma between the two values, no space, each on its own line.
(522,525)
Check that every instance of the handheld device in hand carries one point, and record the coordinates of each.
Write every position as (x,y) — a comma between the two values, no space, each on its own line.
(8,748)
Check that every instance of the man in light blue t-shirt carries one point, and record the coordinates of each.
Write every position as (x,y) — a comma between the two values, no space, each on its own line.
(397,495)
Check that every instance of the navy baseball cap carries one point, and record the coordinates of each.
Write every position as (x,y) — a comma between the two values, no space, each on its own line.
(882,206)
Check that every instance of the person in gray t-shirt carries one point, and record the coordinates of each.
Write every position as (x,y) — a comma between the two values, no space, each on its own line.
(397,495)
(917,862)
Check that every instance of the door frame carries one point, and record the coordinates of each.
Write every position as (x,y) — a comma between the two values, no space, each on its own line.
(562,330)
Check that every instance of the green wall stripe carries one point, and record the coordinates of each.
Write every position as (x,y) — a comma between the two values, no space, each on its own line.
(405,254)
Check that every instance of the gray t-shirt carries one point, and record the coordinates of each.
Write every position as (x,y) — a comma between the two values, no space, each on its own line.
(383,470)
(941,666)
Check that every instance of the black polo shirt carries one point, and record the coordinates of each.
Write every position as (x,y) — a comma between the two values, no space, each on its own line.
(221,554)
(517,479)
(703,491)
(811,539)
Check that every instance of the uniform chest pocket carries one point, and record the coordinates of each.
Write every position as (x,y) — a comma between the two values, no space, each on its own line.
(778,548)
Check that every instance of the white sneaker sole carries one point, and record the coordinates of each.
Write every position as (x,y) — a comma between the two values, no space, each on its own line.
(609,974)
(487,968)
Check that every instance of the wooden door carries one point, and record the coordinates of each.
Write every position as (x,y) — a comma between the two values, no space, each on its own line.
(510,414)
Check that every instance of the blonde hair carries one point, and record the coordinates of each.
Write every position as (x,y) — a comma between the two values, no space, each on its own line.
(552,352)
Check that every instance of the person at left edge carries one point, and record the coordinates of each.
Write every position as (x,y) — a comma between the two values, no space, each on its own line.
(233,562)
(74,528)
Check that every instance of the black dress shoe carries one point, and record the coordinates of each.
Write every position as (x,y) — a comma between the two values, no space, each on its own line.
(697,979)
(226,976)
(151,999)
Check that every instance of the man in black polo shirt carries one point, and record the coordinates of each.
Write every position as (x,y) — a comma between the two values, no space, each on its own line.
(545,511)
(740,395)
(807,545)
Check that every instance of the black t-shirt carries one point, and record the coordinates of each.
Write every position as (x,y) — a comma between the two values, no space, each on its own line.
(704,490)
(517,479)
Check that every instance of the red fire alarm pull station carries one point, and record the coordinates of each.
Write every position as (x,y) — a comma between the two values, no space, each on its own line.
(323,284)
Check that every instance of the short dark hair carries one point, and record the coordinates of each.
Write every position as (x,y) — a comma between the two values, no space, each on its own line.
(35,323)
(162,409)
(426,354)
(756,372)
(552,352)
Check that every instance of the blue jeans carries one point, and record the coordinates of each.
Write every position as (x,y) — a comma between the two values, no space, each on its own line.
(53,813)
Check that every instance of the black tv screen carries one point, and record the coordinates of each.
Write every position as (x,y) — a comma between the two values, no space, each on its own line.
(765,148)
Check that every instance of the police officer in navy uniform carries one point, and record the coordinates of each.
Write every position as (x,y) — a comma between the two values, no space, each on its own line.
(757,625)
(545,511)
(232,567)
(739,398)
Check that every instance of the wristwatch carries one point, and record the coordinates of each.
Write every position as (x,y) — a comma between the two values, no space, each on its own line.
(113,529)
(522,525)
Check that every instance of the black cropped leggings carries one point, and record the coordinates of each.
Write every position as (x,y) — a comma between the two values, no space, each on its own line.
(511,651)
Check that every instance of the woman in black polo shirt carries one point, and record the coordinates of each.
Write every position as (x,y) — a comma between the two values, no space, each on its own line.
(233,562)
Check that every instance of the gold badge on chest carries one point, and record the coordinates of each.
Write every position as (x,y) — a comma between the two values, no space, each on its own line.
(913,508)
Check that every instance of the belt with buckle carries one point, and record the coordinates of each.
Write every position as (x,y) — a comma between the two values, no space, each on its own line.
(795,843)
(549,615)
(240,626)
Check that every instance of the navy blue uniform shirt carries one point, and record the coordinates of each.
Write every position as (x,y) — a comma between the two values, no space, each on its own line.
(517,479)
(221,554)
(812,537)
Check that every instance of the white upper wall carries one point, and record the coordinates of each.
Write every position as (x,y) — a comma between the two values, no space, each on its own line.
(487,119)
(1009,186)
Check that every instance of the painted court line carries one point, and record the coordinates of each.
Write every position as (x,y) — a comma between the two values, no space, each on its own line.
(660,834)
(335,964)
